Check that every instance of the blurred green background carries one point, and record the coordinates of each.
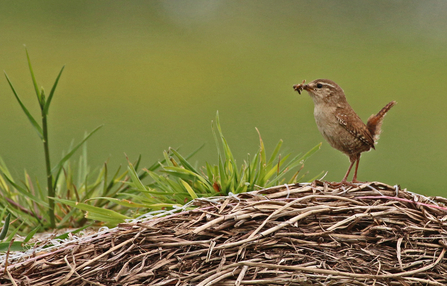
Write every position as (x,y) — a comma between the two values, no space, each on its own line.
(156,72)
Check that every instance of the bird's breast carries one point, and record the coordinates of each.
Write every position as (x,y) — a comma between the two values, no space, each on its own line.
(335,134)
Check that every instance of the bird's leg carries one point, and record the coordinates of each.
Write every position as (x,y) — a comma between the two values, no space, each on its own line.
(354,179)
(345,179)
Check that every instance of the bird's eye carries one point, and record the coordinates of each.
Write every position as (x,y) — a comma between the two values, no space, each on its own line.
(319,85)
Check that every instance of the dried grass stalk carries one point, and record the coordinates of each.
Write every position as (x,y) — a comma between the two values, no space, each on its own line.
(297,235)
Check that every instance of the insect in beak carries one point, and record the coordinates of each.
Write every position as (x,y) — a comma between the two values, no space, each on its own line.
(299,87)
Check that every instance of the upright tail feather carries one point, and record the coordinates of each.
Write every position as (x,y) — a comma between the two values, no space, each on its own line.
(374,123)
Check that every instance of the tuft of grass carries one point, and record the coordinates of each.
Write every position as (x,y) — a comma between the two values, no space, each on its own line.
(179,181)
(84,198)
(42,131)
(28,207)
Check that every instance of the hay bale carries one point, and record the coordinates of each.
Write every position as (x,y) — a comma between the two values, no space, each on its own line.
(373,234)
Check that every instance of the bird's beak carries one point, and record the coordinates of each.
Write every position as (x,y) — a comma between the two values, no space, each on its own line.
(299,87)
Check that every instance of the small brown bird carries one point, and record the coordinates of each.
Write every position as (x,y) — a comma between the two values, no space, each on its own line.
(340,125)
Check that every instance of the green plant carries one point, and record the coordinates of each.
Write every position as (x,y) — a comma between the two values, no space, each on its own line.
(52,173)
(76,186)
(180,182)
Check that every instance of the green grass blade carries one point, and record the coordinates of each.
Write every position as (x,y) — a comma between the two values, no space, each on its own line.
(16,246)
(220,176)
(36,87)
(110,221)
(228,154)
(262,154)
(156,165)
(14,232)
(59,165)
(294,163)
(162,206)
(50,97)
(306,156)
(189,189)
(31,234)
(180,172)
(213,129)
(24,192)
(3,213)
(83,169)
(92,211)
(103,175)
(183,161)
(5,227)
(168,159)
(252,169)
(25,110)
(68,216)
(4,169)
(135,179)
(194,152)
(42,98)
(121,202)
(210,172)
(275,153)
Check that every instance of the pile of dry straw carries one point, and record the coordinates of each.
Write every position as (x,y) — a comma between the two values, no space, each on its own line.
(373,234)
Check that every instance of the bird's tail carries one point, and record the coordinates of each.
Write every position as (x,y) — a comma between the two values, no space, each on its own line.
(375,121)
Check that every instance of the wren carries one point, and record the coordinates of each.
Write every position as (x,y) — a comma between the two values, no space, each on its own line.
(340,125)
